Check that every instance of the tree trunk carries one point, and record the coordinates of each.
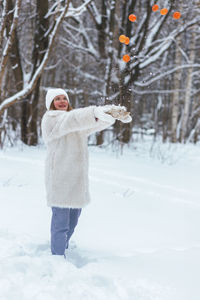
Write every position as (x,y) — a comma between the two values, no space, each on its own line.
(29,133)
(14,54)
(109,65)
(187,102)
(111,37)
(102,31)
(175,99)
(10,39)
(177,86)
(126,129)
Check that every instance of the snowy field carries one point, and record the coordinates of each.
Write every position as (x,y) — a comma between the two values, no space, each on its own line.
(139,239)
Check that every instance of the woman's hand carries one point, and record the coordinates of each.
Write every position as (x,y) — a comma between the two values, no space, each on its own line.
(100,113)
(110,113)
(119,113)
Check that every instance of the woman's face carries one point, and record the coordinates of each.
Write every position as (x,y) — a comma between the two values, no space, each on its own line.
(60,102)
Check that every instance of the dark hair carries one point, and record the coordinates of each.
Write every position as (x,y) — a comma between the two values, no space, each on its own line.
(52,107)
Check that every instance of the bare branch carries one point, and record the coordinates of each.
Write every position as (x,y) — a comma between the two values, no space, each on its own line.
(87,47)
(147,83)
(93,13)
(10,40)
(3,20)
(79,10)
(156,52)
(30,86)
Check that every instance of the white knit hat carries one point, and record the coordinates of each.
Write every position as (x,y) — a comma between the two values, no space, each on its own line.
(52,93)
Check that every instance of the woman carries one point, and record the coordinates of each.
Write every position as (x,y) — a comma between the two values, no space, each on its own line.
(65,133)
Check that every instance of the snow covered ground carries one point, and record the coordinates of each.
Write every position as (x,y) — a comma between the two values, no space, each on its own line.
(139,239)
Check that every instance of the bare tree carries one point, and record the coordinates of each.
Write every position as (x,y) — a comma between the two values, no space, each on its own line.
(47,25)
(159,85)
(188,98)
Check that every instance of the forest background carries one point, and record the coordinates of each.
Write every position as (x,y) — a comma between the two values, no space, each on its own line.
(75,45)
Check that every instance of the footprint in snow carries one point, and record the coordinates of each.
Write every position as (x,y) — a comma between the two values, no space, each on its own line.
(77,258)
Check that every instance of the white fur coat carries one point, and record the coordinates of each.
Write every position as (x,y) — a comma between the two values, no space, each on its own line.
(66,167)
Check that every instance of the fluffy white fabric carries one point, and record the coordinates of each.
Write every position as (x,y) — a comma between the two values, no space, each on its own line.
(108,112)
(118,112)
(52,93)
(127,119)
(101,113)
(66,167)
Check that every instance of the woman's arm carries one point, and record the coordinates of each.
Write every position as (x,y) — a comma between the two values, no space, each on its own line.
(107,114)
(100,125)
(56,123)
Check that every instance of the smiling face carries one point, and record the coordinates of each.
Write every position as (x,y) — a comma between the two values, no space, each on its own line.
(60,102)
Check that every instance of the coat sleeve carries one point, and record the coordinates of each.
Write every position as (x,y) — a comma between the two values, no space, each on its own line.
(100,125)
(57,123)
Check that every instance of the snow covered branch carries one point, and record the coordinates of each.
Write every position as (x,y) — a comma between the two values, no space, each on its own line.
(150,54)
(30,86)
(81,33)
(95,15)
(160,76)
(3,20)
(73,12)
(9,41)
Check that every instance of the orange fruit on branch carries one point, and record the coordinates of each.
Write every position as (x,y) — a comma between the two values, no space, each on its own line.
(122,38)
(155,7)
(176,15)
(127,41)
(164,11)
(132,18)
(126,58)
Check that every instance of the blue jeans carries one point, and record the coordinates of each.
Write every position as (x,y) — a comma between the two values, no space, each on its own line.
(63,223)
